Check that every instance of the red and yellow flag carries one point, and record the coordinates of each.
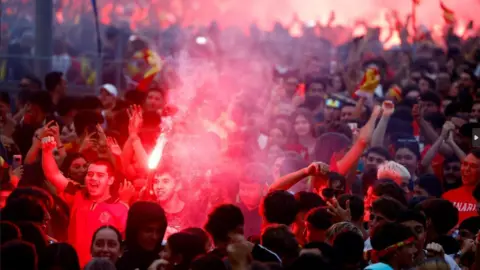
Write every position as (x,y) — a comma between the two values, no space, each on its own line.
(370,81)
(448,14)
(395,93)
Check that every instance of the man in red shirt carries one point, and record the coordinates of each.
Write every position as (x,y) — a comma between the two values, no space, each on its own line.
(91,206)
(462,197)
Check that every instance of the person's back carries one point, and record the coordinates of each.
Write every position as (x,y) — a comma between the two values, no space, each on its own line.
(18,254)
(100,264)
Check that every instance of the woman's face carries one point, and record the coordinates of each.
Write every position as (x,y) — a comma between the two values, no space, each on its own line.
(150,236)
(302,126)
(423,85)
(274,152)
(277,164)
(106,245)
(78,169)
(408,159)
(276,137)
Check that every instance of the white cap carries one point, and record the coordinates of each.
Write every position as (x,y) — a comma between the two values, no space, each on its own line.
(110,88)
(393,170)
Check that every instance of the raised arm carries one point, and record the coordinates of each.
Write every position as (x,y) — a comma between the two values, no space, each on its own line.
(379,132)
(49,165)
(364,138)
(316,169)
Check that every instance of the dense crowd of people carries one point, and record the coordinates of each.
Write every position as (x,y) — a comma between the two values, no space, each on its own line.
(220,150)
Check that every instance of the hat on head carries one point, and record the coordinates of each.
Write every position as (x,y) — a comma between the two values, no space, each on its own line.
(110,88)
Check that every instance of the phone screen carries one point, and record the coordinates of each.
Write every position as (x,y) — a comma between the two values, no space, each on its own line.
(333,103)
(17,161)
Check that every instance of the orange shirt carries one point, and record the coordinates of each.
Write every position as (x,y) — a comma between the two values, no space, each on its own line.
(463,199)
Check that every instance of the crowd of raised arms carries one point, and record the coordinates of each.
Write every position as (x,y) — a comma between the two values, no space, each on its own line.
(264,151)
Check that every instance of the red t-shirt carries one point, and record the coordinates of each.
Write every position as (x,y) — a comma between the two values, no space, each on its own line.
(463,199)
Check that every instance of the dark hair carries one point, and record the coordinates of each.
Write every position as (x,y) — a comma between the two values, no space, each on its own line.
(442,213)
(412,215)
(140,214)
(309,262)
(209,261)
(308,200)
(135,97)
(198,232)
(357,207)
(32,193)
(33,80)
(431,184)
(117,232)
(308,116)
(388,207)
(90,103)
(100,264)
(187,245)
(18,254)
(66,105)
(68,160)
(389,234)
(279,239)
(84,120)
(34,235)
(348,248)
(43,100)
(471,224)
(52,80)
(410,144)
(9,231)
(279,207)
(24,209)
(379,151)
(320,218)
(60,255)
(107,163)
(476,192)
(222,220)
(436,119)
(390,189)
(431,96)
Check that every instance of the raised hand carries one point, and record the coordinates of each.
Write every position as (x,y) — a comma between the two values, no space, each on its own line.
(318,169)
(135,114)
(388,108)
(435,250)
(366,131)
(126,191)
(339,214)
(113,146)
(447,129)
(48,144)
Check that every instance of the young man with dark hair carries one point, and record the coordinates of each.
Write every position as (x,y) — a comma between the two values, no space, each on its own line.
(56,85)
(92,205)
(252,186)
(317,222)
(452,177)
(66,111)
(279,207)
(306,201)
(279,239)
(357,210)
(225,223)
(393,247)
(155,100)
(31,83)
(442,217)
(462,197)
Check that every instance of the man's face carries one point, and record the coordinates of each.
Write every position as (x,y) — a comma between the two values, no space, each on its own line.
(470,170)
(347,113)
(25,84)
(406,255)
(423,85)
(250,193)
(98,180)
(154,101)
(466,80)
(443,82)
(419,230)
(376,219)
(107,99)
(475,113)
(164,186)
(316,89)
(33,115)
(451,172)
(331,114)
(373,160)
(430,107)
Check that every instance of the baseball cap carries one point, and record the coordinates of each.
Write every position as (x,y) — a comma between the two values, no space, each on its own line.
(110,88)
